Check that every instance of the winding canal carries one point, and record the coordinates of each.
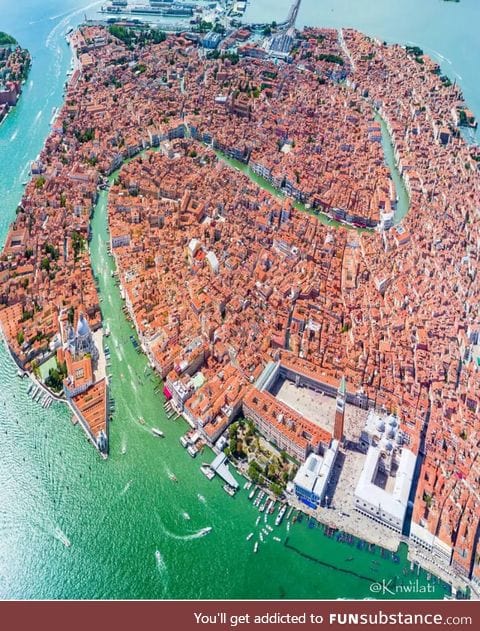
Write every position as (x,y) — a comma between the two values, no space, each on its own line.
(75,526)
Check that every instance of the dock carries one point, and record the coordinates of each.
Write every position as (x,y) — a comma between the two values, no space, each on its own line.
(220,466)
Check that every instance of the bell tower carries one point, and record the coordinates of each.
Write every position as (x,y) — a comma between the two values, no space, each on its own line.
(340,410)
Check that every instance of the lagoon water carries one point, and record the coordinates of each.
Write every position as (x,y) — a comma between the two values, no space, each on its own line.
(75,526)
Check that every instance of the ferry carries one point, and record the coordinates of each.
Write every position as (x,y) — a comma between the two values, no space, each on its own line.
(157,432)
(255,547)
(280,515)
(207,471)
(229,489)
(249,536)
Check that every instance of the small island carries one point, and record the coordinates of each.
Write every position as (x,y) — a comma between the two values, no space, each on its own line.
(14,67)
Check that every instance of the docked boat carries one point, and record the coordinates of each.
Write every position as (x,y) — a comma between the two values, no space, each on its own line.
(281,513)
(207,471)
(255,547)
(107,332)
(54,114)
(157,432)
(183,441)
(229,489)
(251,494)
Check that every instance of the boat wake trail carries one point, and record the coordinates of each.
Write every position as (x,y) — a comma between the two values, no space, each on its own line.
(126,487)
(61,536)
(189,537)
(161,565)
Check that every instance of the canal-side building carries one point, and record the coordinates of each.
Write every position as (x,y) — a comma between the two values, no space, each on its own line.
(312,478)
(85,385)
(284,427)
(384,485)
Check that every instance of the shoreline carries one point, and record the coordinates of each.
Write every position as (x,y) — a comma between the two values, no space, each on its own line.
(134,319)
(442,573)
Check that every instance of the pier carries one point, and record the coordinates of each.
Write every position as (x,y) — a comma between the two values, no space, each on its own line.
(220,466)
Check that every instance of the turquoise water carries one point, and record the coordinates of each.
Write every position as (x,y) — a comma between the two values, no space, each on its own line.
(124,518)
(448,31)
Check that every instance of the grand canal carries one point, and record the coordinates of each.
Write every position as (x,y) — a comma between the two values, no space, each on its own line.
(75,526)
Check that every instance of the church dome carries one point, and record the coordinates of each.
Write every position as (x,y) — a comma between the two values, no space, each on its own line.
(82,326)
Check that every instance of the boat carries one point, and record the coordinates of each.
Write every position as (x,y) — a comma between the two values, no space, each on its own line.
(205,531)
(261,537)
(281,513)
(54,113)
(207,471)
(251,494)
(172,477)
(107,332)
(258,520)
(183,441)
(124,450)
(276,539)
(141,421)
(249,536)
(229,489)
(21,373)
(255,547)
(157,432)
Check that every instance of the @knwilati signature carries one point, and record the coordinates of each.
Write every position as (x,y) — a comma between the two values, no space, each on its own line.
(389,587)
